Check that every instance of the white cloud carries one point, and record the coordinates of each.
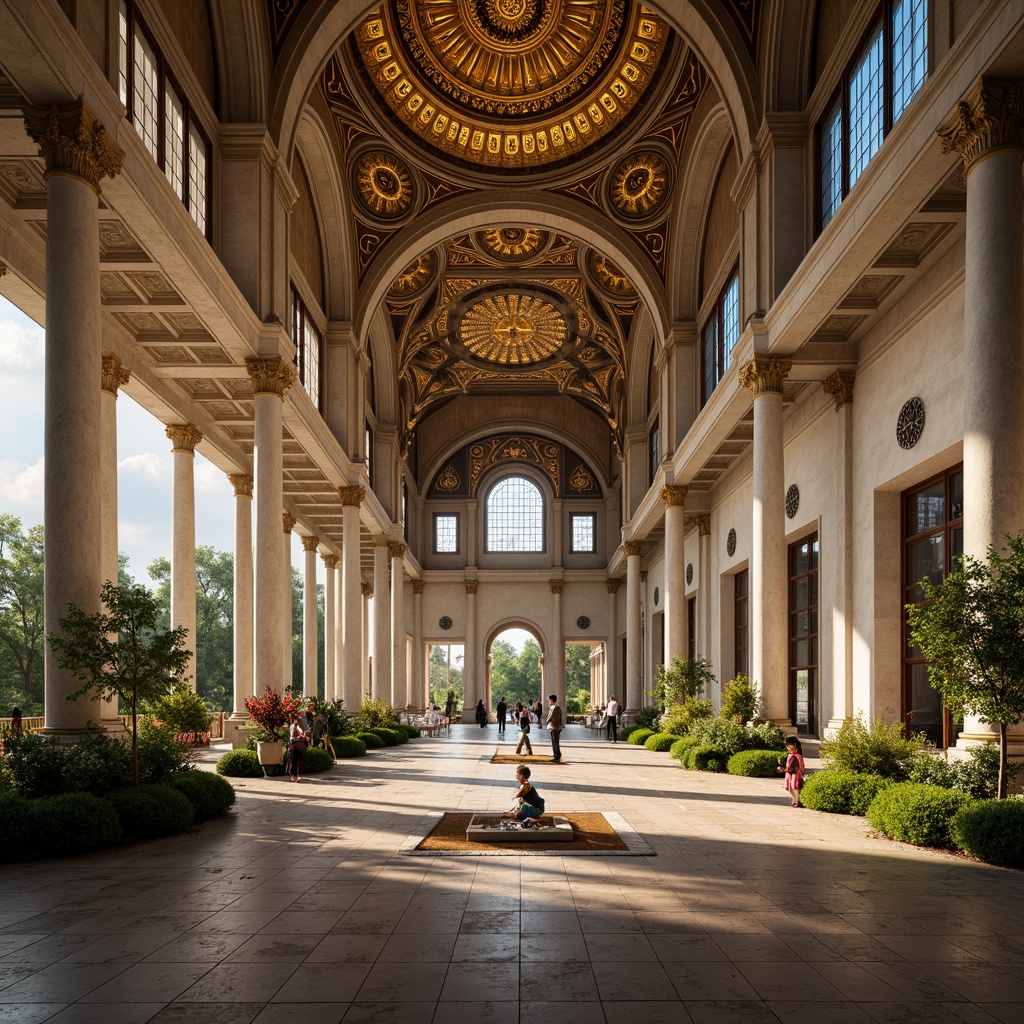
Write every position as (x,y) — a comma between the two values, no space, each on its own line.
(21,347)
(21,489)
(210,480)
(146,464)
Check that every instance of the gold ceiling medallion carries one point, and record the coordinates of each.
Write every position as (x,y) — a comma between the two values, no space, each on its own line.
(449,480)
(513,244)
(384,185)
(607,275)
(415,277)
(513,329)
(639,185)
(581,480)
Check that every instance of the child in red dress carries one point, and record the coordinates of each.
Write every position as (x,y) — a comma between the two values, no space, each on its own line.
(794,769)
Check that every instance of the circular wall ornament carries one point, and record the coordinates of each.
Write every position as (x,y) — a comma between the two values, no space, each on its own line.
(583,622)
(513,329)
(513,244)
(445,622)
(689,573)
(639,185)
(792,500)
(730,544)
(384,185)
(910,424)
(656,596)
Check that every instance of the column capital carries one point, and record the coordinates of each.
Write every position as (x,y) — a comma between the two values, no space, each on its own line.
(613,585)
(3,269)
(329,560)
(184,437)
(112,374)
(74,143)
(367,590)
(310,543)
(288,521)
(556,586)
(417,586)
(352,495)
(396,549)
(674,494)
(270,375)
(632,547)
(471,586)
(988,119)
(765,375)
(703,523)
(840,387)
(242,484)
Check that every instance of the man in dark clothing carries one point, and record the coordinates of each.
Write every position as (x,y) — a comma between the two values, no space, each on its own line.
(502,714)
(555,722)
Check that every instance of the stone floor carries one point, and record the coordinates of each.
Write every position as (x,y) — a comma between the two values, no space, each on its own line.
(296,907)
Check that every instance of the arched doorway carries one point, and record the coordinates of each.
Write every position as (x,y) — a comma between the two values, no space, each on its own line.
(515,665)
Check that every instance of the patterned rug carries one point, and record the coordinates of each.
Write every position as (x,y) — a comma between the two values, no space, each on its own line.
(524,759)
(593,834)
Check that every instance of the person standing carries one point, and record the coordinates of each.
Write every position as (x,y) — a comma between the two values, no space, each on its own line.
(555,722)
(539,712)
(524,731)
(298,741)
(612,711)
(481,714)
(502,710)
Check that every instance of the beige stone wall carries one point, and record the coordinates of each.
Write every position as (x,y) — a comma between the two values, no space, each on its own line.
(833,17)
(304,238)
(722,228)
(190,22)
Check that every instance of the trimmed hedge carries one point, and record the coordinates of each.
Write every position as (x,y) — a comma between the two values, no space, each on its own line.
(660,741)
(639,736)
(391,737)
(209,794)
(755,764)
(370,741)
(704,758)
(348,746)
(410,730)
(240,764)
(149,812)
(75,823)
(864,793)
(318,760)
(681,746)
(830,790)
(917,813)
(992,831)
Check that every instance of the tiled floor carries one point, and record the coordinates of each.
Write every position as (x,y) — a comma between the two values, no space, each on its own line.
(297,908)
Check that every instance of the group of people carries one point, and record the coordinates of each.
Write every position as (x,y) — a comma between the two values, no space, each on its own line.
(521,714)
(306,730)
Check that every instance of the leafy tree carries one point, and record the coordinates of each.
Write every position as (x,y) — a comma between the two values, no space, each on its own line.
(682,679)
(121,652)
(577,679)
(971,629)
(446,673)
(21,613)
(740,700)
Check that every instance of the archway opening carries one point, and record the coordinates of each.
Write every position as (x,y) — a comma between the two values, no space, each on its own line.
(515,665)
(579,692)
(446,687)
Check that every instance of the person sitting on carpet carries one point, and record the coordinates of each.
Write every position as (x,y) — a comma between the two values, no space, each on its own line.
(529,803)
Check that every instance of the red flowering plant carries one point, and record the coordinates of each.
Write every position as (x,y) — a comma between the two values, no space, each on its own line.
(271,713)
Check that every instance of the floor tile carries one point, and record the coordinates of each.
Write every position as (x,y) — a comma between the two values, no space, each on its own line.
(107,1013)
(709,980)
(239,983)
(415,947)
(389,1013)
(567,982)
(402,982)
(477,1012)
(465,982)
(654,1012)
(643,981)
(482,947)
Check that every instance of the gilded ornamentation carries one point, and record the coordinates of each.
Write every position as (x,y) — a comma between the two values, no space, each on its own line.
(989,118)
(417,587)
(396,549)
(674,495)
(471,586)
(556,586)
(513,329)
(608,275)
(73,142)
(352,495)
(639,185)
(840,387)
(367,589)
(415,277)
(631,548)
(513,448)
(512,244)
(330,561)
(384,185)
(581,480)
(310,543)
(112,374)
(242,483)
(703,523)
(613,586)
(183,437)
(765,375)
(288,521)
(269,375)
(449,480)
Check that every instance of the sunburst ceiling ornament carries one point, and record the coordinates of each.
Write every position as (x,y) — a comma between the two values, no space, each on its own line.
(640,185)
(511,84)
(513,243)
(384,185)
(415,276)
(608,275)
(513,329)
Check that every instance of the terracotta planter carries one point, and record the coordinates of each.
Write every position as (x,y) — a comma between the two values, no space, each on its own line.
(271,755)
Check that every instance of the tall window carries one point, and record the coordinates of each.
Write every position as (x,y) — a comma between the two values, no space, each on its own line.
(720,334)
(368,452)
(162,116)
(306,339)
(933,541)
(803,634)
(741,622)
(515,516)
(654,449)
(405,511)
(584,537)
(446,533)
(877,87)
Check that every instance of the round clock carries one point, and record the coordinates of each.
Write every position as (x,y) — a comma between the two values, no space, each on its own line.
(792,500)
(910,423)
(730,544)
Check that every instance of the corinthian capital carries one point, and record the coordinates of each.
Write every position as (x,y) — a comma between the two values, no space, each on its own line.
(674,494)
(330,561)
(556,586)
(471,586)
(613,585)
(417,586)
(840,387)
(632,547)
(242,484)
(73,142)
(310,543)
(288,521)
(184,437)
(988,119)
(765,375)
(396,549)
(703,523)
(352,495)
(270,375)
(113,375)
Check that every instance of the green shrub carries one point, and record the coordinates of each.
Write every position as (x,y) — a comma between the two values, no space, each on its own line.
(411,731)
(370,741)
(98,764)
(992,831)
(638,737)
(318,760)
(681,746)
(740,700)
(916,813)
(705,758)
(766,736)
(75,823)
(17,828)
(660,741)
(627,730)
(209,794)
(871,748)
(681,718)
(864,793)
(34,765)
(240,764)
(333,714)
(160,754)
(830,790)
(977,774)
(756,764)
(182,710)
(728,737)
(391,737)
(375,713)
(647,718)
(149,812)
(348,746)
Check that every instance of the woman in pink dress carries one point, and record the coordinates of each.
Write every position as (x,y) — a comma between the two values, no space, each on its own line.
(794,769)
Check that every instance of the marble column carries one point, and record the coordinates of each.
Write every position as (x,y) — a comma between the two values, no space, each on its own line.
(764,376)
(417,684)
(704,599)
(112,376)
(987,130)
(399,675)
(674,495)
(339,632)
(243,634)
(633,698)
(287,596)
(184,437)
(310,640)
(78,154)
(611,656)
(381,619)
(271,377)
(351,597)
(556,680)
(472,689)
(364,681)
(330,575)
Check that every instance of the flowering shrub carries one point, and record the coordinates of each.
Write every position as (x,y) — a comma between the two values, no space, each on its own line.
(272,712)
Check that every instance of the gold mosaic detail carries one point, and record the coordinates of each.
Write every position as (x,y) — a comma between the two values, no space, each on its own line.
(415,276)
(513,243)
(383,185)
(581,480)
(449,480)
(640,185)
(608,275)
(513,448)
(513,330)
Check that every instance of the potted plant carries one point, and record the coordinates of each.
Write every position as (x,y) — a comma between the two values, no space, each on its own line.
(271,712)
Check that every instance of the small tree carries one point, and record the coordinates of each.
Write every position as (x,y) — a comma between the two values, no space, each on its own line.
(740,700)
(120,652)
(680,680)
(972,631)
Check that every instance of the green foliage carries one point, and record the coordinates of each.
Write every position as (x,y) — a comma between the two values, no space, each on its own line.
(21,615)
(755,764)
(446,674)
(992,831)
(391,737)
(370,741)
(160,754)
(639,736)
(515,675)
(865,791)
(577,679)
(149,812)
(647,718)
(871,748)
(660,741)
(740,700)
(969,628)
(706,758)
(681,718)
(34,765)
(916,813)
(977,774)
(682,679)
(766,736)
(271,712)
(240,764)
(17,828)
(182,711)
(728,737)
(348,746)
(74,823)
(412,732)
(96,764)
(333,713)
(681,746)
(376,712)
(838,791)
(209,794)
(627,730)
(318,760)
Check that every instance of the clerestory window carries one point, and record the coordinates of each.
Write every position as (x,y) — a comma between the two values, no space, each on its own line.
(307,342)
(720,334)
(515,516)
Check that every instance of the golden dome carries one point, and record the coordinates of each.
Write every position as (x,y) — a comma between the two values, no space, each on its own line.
(513,329)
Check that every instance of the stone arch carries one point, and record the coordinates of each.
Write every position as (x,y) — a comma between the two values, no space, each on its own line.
(644,345)
(243,58)
(786,45)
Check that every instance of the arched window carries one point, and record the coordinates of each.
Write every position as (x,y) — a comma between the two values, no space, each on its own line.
(515,516)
